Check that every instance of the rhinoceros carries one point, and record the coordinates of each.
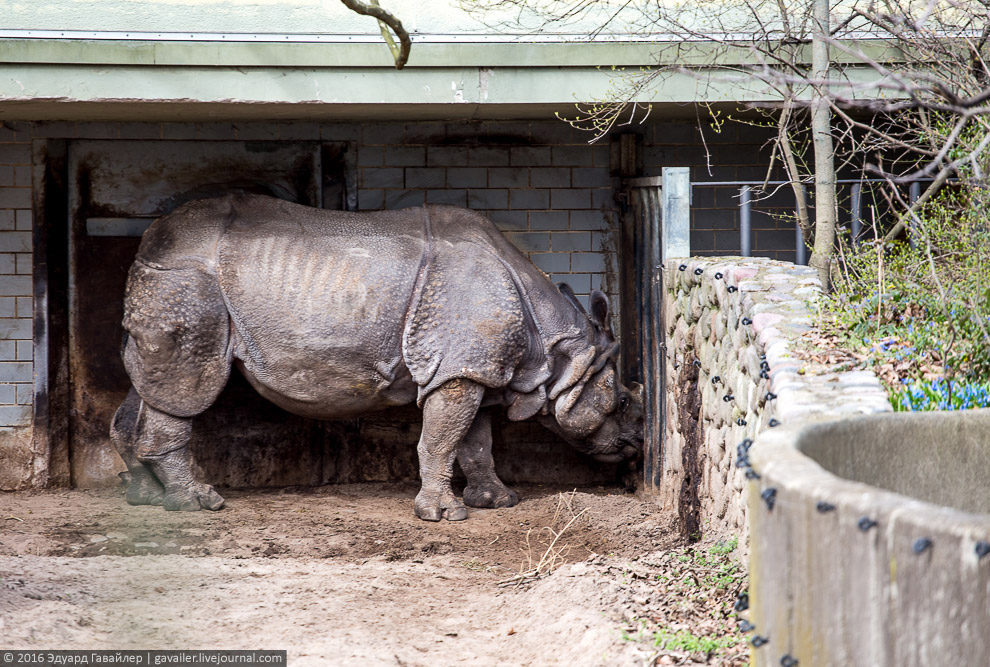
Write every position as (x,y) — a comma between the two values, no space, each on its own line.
(333,314)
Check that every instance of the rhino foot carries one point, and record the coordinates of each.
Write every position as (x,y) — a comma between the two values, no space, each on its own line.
(143,488)
(433,507)
(490,496)
(192,498)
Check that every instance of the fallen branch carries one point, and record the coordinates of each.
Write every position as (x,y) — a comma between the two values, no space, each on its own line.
(551,559)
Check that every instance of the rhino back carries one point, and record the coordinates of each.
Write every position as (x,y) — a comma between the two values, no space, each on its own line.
(187,237)
(318,299)
(553,315)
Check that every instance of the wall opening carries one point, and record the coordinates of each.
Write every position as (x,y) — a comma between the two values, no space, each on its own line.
(101,194)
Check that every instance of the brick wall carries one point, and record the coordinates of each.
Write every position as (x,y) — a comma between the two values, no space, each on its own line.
(16,368)
(542,185)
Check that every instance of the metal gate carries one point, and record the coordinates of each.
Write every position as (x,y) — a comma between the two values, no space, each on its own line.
(658,227)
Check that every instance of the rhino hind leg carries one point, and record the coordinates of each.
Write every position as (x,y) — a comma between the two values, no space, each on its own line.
(484,488)
(158,450)
(143,488)
(448,413)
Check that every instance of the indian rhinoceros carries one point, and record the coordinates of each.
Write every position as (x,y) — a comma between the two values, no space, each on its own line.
(332,314)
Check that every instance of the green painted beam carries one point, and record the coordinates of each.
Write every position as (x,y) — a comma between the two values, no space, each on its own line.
(373,55)
(439,85)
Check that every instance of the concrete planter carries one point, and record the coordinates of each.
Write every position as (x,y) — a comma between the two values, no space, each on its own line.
(869,541)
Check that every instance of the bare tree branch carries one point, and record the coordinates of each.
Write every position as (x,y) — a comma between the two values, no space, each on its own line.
(386,20)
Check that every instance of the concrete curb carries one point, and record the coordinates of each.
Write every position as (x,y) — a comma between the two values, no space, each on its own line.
(844,572)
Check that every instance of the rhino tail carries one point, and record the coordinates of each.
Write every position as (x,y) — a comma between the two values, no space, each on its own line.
(177,348)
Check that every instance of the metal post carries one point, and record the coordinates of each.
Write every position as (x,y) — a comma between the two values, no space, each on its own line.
(675,241)
(857,212)
(744,222)
(802,251)
(676,207)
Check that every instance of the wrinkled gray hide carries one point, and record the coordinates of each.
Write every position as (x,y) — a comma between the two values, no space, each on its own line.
(331,314)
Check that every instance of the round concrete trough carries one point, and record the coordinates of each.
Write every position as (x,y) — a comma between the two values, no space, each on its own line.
(870,542)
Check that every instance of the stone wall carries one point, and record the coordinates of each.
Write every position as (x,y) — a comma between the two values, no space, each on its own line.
(731,326)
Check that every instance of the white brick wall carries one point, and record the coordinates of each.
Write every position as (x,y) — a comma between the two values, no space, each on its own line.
(550,192)
(16,348)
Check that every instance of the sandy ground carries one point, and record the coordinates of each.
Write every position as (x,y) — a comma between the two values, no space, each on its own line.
(347,575)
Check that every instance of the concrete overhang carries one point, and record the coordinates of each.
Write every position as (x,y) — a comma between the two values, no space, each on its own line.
(196,79)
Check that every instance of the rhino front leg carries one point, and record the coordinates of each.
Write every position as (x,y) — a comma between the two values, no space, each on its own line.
(484,488)
(447,415)
(163,447)
(143,488)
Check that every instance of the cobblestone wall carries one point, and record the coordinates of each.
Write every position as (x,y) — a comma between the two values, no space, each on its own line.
(731,326)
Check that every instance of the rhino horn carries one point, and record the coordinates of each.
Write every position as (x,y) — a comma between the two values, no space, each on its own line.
(638,391)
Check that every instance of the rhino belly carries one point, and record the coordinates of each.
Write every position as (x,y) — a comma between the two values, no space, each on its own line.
(337,395)
(318,319)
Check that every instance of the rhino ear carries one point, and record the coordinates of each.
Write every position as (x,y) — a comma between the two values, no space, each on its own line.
(599,309)
(568,293)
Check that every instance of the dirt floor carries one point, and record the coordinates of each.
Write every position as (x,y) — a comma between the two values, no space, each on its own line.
(347,575)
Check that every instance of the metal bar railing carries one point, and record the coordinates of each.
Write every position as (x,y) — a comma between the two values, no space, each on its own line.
(745,226)
(801,250)
(856,212)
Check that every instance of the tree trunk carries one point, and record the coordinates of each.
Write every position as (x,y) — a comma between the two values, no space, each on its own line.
(821,127)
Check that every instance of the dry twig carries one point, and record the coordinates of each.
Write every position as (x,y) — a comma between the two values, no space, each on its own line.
(555,554)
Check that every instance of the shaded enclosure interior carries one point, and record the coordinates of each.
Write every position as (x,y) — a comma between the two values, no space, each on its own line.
(560,200)
(116,189)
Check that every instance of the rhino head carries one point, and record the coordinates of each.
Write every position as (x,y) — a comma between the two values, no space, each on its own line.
(597,414)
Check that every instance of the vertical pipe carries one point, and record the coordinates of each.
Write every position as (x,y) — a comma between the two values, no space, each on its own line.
(802,250)
(675,241)
(657,326)
(647,224)
(857,212)
(744,222)
(652,223)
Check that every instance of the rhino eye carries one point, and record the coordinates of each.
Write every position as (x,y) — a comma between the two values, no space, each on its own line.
(623,403)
